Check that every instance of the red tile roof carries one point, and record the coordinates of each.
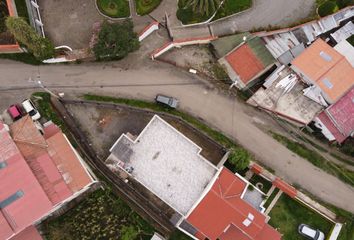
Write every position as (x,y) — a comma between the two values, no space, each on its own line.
(222,211)
(68,163)
(331,127)
(342,113)
(17,176)
(245,63)
(33,146)
(29,233)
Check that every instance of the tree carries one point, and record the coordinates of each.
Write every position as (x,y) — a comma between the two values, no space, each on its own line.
(116,40)
(204,7)
(240,158)
(40,47)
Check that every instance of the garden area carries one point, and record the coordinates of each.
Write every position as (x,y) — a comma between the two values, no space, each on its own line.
(144,7)
(190,11)
(114,8)
(102,215)
(288,214)
(328,7)
(5,36)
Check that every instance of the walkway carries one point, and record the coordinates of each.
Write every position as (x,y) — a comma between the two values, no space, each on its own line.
(145,79)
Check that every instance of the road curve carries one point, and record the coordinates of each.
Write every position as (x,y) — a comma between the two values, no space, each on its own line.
(198,98)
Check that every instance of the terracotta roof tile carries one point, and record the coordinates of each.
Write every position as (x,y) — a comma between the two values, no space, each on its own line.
(245,63)
(222,207)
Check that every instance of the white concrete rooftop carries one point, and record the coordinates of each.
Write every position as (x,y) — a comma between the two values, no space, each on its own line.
(167,163)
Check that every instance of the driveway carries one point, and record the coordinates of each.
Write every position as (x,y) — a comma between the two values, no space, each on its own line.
(145,79)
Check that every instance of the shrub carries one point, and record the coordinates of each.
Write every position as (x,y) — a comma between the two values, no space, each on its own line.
(116,41)
(240,158)
(40,47)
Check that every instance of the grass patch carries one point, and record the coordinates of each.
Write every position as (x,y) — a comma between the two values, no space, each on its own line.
(288,214)
(231,7)
(270,198)
(327,8)
(144,7)
(102,215)
(259,179)
(342,159)
(21,57)
(114,8)
(215,135)
(316,159)
(22,9)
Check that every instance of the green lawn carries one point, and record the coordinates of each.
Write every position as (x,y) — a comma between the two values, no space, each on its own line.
(114,8)
(327,7)
(144,7)
(101,216)
(288,214)
(187,16)
(316,159)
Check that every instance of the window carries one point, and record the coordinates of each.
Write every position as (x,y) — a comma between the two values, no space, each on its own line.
(325,56)
(11,199)
(327,83)
(3,164)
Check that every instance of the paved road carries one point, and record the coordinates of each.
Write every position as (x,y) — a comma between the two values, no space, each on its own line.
(224,113)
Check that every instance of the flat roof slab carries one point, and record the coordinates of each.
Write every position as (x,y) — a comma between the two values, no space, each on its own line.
(167,163)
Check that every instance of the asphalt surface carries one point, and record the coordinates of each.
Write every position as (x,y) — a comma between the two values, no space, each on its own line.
(145,80)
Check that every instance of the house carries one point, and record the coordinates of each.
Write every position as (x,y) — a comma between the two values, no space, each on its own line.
(209,201)
(337,121)
(246,62)
(223,214)
(38,174)
(323,67)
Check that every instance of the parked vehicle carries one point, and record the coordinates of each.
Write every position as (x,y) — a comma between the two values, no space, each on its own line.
(15,112)
(310,233)
(31,109)
(168,101)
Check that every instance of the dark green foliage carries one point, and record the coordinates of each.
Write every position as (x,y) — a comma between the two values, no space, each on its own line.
(21,57)
(344,3)
(3,14)
(21,8)
(327,8)
(101,215)
(116,41)
(351,40)
(114,8)
(178,235)
(348,147)
(240,158)
(144,7)
(40,47)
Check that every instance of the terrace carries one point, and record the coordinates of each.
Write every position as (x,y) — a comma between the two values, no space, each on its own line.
(165,162)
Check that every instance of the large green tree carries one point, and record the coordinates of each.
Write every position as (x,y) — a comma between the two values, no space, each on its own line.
(116,40)
(204,7)
(239,158)
(40,47)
